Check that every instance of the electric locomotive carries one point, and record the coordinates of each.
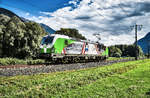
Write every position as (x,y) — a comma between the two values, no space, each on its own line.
(61,47)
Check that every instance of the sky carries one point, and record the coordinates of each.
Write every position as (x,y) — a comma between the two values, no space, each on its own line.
(112,19)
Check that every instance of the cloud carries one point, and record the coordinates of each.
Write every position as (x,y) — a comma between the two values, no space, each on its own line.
(144,7)
(84,18)
(27,14)
(112,19)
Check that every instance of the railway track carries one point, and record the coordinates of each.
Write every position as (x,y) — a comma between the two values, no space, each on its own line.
(14,70)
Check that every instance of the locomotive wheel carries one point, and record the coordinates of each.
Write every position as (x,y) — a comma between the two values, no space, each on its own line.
(76,59)
(64,60)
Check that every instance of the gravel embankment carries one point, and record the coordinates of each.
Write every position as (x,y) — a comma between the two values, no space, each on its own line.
(52,68)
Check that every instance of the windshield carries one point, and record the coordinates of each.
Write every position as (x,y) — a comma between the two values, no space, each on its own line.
(47,40)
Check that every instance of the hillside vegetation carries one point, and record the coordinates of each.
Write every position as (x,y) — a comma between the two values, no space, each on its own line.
(121,80)
(125,51)
(71,33)
(17,38)
(15,61)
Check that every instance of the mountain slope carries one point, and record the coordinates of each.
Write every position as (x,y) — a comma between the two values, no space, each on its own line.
(144,43)
(8,13)
(11,14)
(47,28)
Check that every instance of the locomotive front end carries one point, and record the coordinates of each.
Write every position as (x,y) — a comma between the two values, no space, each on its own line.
(46,46)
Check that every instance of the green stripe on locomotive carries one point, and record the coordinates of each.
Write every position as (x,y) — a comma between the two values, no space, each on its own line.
(60,44)
(48,50)
(42,50)
(106,52)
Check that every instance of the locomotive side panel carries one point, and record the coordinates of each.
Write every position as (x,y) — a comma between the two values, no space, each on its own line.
(81,48)
(61,45)
(74,48)
(91,49)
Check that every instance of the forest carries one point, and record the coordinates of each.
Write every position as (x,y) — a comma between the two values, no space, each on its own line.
(19,39)
(125,51)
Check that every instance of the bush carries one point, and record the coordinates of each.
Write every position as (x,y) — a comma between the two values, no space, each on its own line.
(14,61)
(71,33)
(34,62)
(19,39)
(125,50)
(117,54)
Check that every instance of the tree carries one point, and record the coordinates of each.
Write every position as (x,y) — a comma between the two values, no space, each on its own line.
(130,50)
(3,22)
(114,52)
(19,39)
(71,33)
(33,37)
(126,50)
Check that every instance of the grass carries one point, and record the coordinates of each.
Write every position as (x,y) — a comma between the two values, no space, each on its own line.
(129,79)
(118,58)
(132,84)
(15,61)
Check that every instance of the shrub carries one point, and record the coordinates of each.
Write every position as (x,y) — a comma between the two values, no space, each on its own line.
(19,39)
(14,61)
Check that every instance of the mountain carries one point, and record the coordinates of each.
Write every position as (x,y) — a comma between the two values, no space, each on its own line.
(144,43)
(47,28)
(11,14)
(8,13)
(24,19)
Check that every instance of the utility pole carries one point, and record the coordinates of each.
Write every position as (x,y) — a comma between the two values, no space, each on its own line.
(136,46)
(136,53)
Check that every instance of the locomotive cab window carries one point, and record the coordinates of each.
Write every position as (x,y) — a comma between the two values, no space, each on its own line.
(47,40)
(66,42)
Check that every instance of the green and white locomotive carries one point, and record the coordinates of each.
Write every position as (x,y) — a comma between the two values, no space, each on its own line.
(57,46)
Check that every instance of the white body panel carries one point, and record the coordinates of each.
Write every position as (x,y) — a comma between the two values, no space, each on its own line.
(75,48)
(81,48)
(91,49)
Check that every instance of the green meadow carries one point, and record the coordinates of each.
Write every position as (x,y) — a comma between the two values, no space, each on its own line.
(120,80)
